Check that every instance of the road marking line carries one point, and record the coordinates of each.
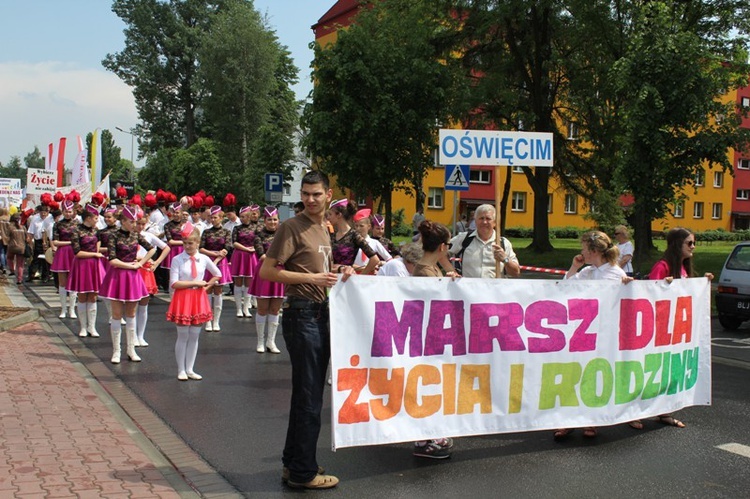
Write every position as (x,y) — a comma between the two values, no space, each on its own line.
(742,450)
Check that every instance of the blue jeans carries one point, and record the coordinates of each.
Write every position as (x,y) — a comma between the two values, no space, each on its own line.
(306,329)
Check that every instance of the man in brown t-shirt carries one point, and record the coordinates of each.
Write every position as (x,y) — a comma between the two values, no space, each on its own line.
(303,246)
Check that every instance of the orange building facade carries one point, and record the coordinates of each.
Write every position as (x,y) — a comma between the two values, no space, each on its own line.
(719,200)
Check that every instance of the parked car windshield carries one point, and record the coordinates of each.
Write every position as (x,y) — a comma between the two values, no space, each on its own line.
(740,259)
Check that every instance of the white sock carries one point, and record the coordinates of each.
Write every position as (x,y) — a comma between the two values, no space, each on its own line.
(273,319)
(63,293)
(83,309)
(141,317)
(180,347)
(238,296)
(129,323)
(191,351)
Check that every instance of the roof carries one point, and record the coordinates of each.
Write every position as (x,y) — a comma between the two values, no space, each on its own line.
(339,15)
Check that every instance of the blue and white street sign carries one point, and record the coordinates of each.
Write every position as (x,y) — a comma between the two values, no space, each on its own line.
(274,182)
(456,177)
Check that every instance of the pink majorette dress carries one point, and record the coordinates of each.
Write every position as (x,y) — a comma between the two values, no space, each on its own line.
(63,231)
(86,274)
(262,288)
(124,284)
(244,262)
(217,239)
(104,235)
(172,231)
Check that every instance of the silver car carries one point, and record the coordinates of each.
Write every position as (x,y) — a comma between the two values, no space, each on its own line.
(733,294)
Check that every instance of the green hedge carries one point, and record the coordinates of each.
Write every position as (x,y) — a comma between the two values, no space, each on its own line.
(554,232)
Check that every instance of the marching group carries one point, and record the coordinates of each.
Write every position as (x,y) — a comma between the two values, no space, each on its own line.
(193,248)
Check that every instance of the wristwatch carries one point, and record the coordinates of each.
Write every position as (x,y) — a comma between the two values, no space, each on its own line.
(506,259)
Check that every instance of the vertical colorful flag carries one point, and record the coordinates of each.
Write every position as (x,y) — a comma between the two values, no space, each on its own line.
(55,160)
(96,159)
(80,171)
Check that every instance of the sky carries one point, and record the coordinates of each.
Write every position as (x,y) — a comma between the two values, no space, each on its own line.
(52,83)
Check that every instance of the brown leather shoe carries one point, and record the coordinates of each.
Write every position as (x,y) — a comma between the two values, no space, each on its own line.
(285,473)
(319,482)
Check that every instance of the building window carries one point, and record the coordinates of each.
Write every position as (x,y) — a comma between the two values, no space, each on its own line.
(719,179)
(518,169)
(698,209)
(287,190)
(700,178)
(572,131)
(744,164)
(519,201)
(549,202)
(435,197)
(679,209)
(479,176)
(571,203)
(743,194)
(716,210)
(362,201)
(746,102)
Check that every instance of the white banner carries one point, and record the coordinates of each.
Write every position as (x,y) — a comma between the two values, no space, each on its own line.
(10,183)
(80,170)
(495,148)
(40,181)
(421,358)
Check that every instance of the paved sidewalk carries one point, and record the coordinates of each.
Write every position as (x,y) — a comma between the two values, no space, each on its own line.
(67,429)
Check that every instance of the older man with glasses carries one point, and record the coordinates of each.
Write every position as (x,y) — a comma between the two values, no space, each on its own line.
(481,251)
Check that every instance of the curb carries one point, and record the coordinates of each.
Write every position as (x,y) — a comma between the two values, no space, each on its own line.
(18,320)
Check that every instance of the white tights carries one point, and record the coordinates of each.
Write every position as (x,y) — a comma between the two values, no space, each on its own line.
(186,348)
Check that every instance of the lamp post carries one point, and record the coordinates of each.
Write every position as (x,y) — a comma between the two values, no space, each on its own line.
(132,148)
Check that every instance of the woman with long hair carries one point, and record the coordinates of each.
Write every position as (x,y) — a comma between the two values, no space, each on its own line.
(676,263)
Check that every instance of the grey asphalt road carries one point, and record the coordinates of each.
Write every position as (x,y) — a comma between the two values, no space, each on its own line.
(236,419)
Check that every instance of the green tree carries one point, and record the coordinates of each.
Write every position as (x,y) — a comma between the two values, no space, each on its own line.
(34,159)
(14,169)
(160,62)
(249,102)
(380,90)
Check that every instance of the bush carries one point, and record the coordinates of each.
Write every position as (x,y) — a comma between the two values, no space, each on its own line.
(398,226)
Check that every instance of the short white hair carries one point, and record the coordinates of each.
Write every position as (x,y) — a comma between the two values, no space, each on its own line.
(485,208)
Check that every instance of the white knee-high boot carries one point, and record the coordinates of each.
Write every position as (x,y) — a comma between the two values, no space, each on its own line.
(130,339)
(273,325)
(91,313)
(260,328)
(238,294)
(83,319)
(247,301)
(63,293)
(72,296)
(115,329)
(210,324)
(141,318)
(218,305)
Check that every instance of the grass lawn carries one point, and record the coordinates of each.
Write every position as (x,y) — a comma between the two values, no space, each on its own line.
(709,257)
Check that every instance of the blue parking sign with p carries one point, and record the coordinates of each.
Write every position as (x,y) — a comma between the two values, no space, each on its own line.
(274,182)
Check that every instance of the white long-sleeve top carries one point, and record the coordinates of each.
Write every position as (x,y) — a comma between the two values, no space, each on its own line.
(152,240)
(180,269)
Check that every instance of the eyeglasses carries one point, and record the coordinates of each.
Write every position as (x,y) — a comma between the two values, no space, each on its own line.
(690,243)
(618,233)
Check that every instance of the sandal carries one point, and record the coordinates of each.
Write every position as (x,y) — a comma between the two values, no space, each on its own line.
(636,425)
(562,433)
(670,420)
(589,432)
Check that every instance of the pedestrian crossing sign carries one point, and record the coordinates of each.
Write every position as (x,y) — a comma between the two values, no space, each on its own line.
(456,177)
